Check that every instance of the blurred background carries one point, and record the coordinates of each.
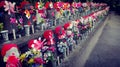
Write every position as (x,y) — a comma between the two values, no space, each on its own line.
(114,4)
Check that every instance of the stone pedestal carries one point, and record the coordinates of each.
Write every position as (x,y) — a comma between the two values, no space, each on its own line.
(5,35)
(27,30)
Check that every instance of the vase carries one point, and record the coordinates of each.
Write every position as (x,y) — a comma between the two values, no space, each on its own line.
(27,30)
(5,35)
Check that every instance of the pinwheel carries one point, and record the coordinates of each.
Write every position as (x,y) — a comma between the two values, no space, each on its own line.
(9,7)
(36,44)
(27,13)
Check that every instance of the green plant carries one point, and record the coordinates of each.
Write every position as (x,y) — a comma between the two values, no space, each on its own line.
(1,26)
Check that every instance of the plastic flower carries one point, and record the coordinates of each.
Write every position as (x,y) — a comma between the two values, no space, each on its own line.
(23,3)
(22,57)
(31,61)
(39,5)
(21,20)
(13,20)
(1,26)
(9,7)
(48,5)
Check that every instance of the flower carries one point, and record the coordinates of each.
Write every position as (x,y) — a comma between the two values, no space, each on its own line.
(9,7)
(39,5)
(31,61)
(13,20)
(23,3)
(1,26)
(39,60)
(22,57)
(21,20)
(49,5)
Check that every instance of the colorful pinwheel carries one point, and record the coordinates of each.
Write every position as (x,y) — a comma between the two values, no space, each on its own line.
(27,12)
(9,7)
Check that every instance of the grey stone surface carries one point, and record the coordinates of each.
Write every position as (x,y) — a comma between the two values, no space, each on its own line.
(107,50)
(103,48)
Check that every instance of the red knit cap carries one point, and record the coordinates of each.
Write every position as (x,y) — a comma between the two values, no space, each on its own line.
(7,47)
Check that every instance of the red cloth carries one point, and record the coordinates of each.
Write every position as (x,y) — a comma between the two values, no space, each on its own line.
(13,62)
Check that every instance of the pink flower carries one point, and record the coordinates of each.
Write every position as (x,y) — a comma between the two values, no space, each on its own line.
(9,7)
(52,49)
(53,14)
(21,20)
(13,20)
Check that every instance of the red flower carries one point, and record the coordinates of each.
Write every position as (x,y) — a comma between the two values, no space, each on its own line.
(34,18)
(23,3)
(47,5)
(36,5)
(29,23)
(52,49)
(39,60)
(58,5)
(66,25)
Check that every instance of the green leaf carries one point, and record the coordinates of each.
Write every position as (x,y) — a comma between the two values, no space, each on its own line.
(1,26)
